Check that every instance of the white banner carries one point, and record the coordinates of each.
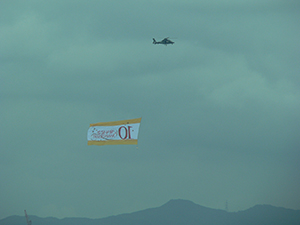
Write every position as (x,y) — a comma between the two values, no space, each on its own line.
(116,132)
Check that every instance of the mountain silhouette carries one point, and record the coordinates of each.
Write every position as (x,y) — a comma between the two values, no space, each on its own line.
(178,212)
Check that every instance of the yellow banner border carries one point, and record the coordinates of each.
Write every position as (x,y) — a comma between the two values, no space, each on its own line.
(114,142)
(116,123)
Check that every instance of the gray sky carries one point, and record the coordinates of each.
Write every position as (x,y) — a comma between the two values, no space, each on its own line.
(220,108)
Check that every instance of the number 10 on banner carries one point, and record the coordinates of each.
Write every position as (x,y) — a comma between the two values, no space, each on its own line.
(125,132)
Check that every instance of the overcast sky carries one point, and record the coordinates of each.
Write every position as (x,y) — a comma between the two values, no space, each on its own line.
(220,108)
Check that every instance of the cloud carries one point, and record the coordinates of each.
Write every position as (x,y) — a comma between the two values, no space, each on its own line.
(219,108)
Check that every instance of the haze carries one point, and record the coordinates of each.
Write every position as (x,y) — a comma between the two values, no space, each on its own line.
(220,108)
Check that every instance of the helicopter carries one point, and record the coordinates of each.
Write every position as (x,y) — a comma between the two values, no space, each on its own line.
(164,41)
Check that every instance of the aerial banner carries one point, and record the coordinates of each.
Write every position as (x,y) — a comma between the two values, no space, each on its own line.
(124,132)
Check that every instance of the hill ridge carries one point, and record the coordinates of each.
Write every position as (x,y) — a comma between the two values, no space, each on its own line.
(177,212)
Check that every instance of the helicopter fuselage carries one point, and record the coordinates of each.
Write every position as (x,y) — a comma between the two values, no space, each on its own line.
(165,41)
